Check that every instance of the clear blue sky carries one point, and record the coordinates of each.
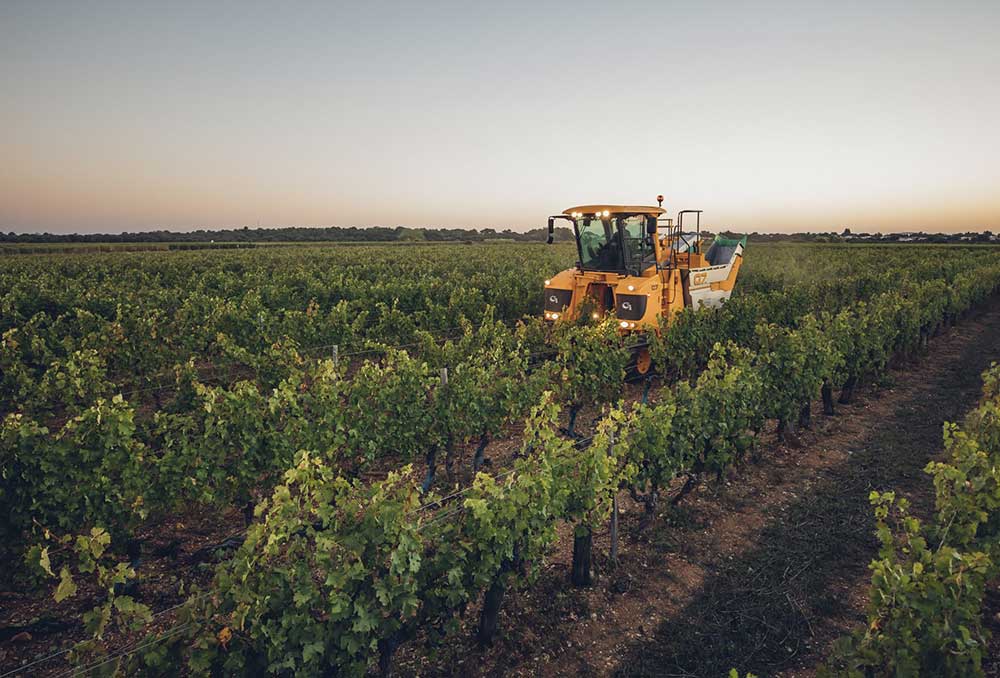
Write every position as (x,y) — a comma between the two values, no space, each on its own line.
(769,116)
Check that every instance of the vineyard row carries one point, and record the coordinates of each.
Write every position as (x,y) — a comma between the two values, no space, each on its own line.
(336,572)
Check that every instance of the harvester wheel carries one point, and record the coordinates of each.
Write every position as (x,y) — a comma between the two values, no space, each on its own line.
(643,361)
(640,365)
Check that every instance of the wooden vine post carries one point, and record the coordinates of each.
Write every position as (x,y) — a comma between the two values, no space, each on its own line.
(614,512)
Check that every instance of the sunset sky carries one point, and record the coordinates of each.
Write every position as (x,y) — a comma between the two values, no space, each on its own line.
(782,116)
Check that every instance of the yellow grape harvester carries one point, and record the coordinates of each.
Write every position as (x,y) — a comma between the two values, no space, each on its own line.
(640,266)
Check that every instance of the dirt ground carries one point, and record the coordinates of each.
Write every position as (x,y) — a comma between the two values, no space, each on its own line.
(761,571)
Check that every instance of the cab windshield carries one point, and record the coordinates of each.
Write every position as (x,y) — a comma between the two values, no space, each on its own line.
(600,243)
(614,243)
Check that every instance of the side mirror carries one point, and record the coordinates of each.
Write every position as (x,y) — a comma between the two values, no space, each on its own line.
(651,225)
(552,230)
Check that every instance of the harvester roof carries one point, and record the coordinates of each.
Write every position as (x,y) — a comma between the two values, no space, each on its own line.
(614,209)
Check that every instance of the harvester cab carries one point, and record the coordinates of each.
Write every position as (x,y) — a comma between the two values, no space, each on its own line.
(640,266)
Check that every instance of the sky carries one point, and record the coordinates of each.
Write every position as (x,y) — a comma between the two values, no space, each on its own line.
(777,116)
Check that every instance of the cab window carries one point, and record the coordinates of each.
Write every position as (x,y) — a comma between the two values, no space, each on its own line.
(638,244)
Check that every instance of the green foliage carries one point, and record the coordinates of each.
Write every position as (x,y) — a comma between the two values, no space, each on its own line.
(510,522)
(86,556)
(77,380)
(591,361)
(487,384)
(928,583)
(727,408)
(336,568)
(354,535)
(238,395)
(590,477)
(387,408)
(651,456)
(793,364)
(924,616)
(92,472)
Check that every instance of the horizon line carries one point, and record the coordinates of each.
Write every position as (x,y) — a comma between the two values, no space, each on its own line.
(853,230)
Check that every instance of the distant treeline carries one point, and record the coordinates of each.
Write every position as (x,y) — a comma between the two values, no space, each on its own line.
(294,234)
(247,237)
(906,237)
(77,247)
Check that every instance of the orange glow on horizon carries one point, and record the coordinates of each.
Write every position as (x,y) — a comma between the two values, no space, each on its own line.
(815,119)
